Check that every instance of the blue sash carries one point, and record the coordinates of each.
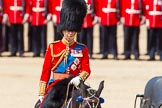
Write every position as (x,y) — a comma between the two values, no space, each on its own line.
(70,59)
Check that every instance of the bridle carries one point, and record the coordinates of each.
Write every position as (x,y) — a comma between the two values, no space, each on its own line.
(92,100)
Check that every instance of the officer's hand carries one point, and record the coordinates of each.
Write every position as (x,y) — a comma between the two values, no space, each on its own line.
(41,98)
(76,81)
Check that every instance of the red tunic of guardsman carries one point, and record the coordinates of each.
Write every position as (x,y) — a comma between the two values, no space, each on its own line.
(153,13)
(96,7)
(88,20)
(108,12)
(5,5)
(55,10)
(49,8)
(131,12)
(28,4)
(121,8)
(38,12)
(63,60)
(15,11)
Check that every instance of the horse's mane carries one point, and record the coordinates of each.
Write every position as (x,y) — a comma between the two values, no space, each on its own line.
(56,96)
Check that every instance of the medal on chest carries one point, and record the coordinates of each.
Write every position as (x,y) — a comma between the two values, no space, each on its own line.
(76,53)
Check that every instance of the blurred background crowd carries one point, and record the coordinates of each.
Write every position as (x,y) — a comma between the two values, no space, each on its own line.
(108,14)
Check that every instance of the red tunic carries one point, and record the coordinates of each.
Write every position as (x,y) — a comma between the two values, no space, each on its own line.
(15,12)
(38,12)
(153,13)
(96,7)
(49,6)
(55,10)
(81,63)
(108,12)
(89,16)
(131,12)
(121,8)
(5,6)
(28,9)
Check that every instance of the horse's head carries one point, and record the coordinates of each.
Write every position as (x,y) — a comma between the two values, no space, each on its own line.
(90,98)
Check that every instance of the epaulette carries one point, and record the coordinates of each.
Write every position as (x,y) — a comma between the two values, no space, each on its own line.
(51,47)
(81,44)
(55,42)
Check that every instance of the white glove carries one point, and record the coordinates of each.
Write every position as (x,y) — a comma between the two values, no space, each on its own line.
(143,20)
(49,16)
(25,19)
(54,19)
(5,18)
(76,81)
(95,20)
(122,20)
(41,98)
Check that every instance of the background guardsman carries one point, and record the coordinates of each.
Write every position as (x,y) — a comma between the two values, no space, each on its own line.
(132,19)
(153,14)
(15,17)
(1,36)
(54,9)
(39,13)
(97,18)
(109,16)
(86,34)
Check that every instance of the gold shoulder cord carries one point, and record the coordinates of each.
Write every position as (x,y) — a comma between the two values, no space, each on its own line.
(62,54)
(52,53)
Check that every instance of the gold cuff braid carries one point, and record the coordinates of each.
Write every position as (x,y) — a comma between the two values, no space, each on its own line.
(42,89)
(83,75)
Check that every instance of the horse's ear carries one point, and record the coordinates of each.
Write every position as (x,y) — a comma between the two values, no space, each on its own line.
(100,88)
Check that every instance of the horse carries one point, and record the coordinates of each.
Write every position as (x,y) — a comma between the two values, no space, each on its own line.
(66,95)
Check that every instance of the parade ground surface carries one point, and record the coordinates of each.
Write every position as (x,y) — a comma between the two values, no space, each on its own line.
(19,77)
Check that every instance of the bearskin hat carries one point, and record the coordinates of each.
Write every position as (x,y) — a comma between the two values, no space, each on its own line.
(72,15)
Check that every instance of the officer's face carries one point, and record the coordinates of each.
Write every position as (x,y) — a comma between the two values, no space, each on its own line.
(69,35)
